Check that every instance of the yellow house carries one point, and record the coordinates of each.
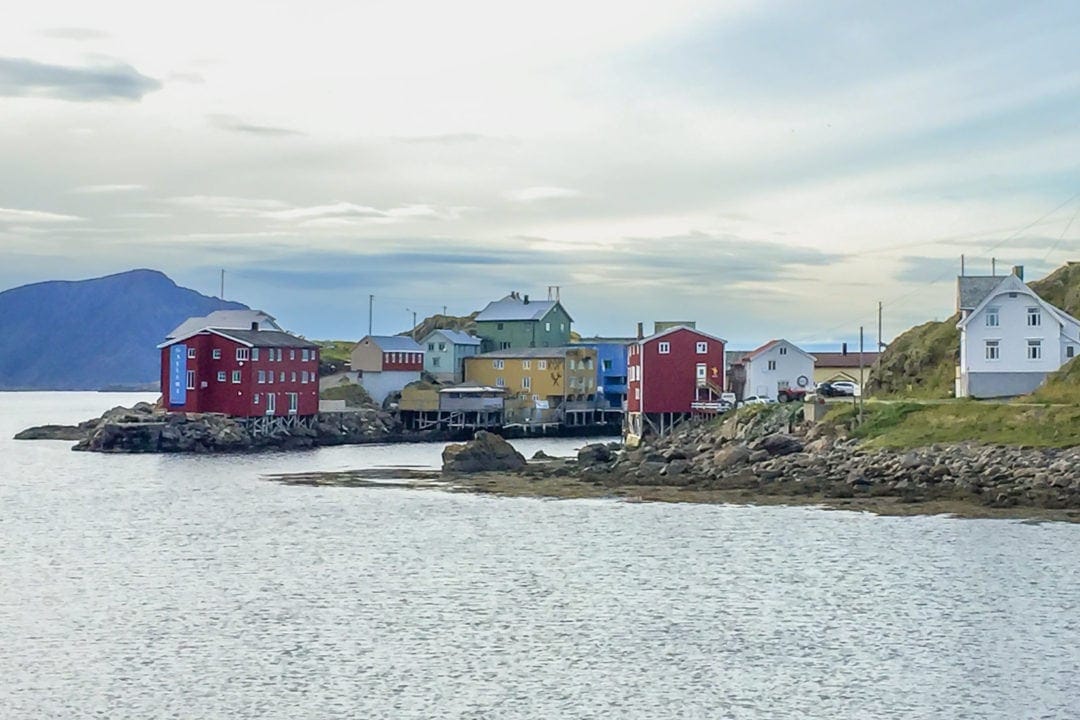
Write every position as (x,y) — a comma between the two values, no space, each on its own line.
(836,366)
(548,376)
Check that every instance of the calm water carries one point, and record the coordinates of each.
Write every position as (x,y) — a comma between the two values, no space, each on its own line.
(169,587)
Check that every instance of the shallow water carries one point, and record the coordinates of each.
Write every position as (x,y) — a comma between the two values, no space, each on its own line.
(190,587)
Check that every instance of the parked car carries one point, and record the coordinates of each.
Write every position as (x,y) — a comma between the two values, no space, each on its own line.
(791,395)
(840,388)
(756,400)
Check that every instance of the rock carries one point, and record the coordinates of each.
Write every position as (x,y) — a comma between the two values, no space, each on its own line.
(595,453)
(52,432)
(731,456)
(541,455)
(779,444)
(485,452)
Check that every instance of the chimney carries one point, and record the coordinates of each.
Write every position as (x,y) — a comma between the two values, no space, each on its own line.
(254,325)
(843,349)
(640,330)
(1018,271)
(526,299)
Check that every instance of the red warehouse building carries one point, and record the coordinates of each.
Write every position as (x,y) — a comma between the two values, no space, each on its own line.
(670,376)
(250,373)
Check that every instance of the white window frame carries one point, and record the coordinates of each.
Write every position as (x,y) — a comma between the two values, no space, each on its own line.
(500,381)
(256,400)
(1034,317)
(1034,350)
(771,366)
(243,354)
(1070,351)
(526,364)
(498,364)
(992,350)
(541,364)
(292,376)
(526,383)
(664,348)
(993,317)
(702,370)
(281,378)
(216,353)
(190,379)
(221,376)
(254,354)
(292,354)
(783,350)
(191,353)
(294,402)
(547,327)
(702,348)
(236,377)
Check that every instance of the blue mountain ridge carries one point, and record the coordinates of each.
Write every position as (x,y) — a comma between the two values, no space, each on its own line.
(90,334)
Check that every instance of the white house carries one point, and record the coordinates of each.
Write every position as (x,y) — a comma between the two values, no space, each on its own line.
(385,364)
(1010,338)
(777,365)
(446,351)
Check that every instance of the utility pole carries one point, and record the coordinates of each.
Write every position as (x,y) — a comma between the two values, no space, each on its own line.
(861,379)
(880,344)
(370,312)
(412,332)
(961,266)
(444,310)
(222,295)
(993,266)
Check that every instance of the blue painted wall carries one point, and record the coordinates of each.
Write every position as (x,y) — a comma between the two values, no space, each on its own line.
(610,371)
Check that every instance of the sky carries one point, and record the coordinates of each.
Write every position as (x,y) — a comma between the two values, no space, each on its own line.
(767,169)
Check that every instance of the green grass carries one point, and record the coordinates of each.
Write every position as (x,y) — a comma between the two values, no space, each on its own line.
(1062,387)
(913,424)
(335,351)
(353,395)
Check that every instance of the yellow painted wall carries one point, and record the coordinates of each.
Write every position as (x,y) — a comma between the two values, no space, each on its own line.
(556,380)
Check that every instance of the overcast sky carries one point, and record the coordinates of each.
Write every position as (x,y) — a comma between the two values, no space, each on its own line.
(765,168)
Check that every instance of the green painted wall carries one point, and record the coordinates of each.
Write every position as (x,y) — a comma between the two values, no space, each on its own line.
(553,330)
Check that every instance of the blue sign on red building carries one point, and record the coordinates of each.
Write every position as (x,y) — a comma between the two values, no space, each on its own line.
(178,375)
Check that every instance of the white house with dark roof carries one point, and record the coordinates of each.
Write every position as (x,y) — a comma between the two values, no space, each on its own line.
(385,364)
(1010,338)
(776,366)
(445,352)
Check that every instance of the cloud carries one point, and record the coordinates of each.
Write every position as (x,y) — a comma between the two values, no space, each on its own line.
(20,77)
(74,33)
(233,124)
(228,206)
(532,194)
(15,216)
(443,139)
(105,189)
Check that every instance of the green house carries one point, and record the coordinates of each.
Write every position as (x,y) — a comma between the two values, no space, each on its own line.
(515,322)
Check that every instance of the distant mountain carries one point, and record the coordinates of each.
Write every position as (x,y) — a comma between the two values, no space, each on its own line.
(89,334)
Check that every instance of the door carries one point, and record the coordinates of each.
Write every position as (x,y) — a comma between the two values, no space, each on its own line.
(271,403)
(702,374)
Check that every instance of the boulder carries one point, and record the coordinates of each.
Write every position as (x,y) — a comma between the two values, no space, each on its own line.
(52,432)
(485,452)
(731,456)
(594,454)
(779,444)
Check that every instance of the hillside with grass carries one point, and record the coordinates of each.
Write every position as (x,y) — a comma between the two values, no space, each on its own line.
(921,363)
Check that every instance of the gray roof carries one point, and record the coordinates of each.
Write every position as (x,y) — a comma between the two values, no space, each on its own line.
(971,290)
(456,337)
(540,352)
(606,341)
(224,319)
(512,308)
(395,343)
(265,338)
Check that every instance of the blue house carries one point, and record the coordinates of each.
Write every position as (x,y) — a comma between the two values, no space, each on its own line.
(610,369)
(445,353)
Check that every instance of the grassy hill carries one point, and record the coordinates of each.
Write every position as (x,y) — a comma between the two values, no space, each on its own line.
(921,363)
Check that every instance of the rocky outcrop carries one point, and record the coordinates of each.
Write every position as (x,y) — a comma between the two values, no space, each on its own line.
(770,454)
(485,452)
(146,429)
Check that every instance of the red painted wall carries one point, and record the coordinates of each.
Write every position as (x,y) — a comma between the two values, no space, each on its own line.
(409,361)
(669,381)
(239,399)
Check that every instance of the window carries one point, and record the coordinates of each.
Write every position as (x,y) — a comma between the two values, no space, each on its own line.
(498,364)
(547,327)
(1070,351)
(292,354)
(242,354)
(526,383)
(292,377)
(572,364)
(254,353)
(526,364)
(562,327)
(606,364)
(993,350)
(261,377)
(431,347)
(499,382)
(190,379)
(702,348)
(1034,350)
(665,348)
(303,377)
(221,376)
(435,361)
(304,355)
(282,378)
(1034,317)
(256,400)
(442,346)
(279,354)
(504,346)
(783,351)
(993,317)
(637,393)
(294,402)
(541,364)
(236,377)
(701,371)
(772,365)
(270,376)
(499,326)
(191,353)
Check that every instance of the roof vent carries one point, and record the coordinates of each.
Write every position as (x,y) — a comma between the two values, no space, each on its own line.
(255,325)
(526,299)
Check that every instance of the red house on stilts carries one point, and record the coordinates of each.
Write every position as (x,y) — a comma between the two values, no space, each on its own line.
(672,375)
(258,372)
